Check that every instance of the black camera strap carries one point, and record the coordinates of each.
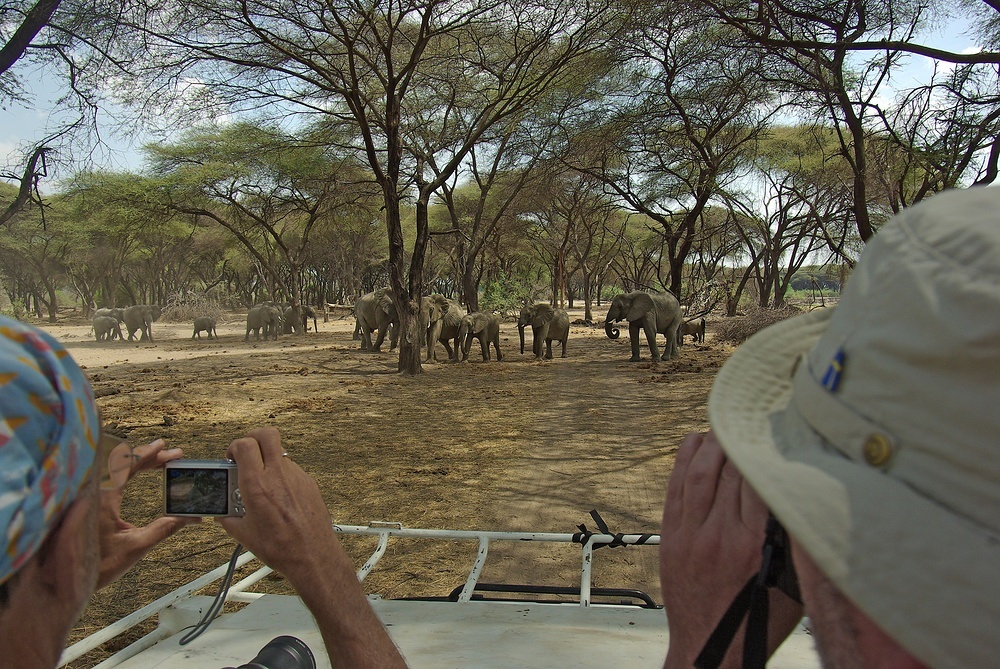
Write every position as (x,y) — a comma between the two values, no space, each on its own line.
(751,603)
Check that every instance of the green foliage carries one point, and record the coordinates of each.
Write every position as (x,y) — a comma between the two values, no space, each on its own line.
(505,295)
(14,310)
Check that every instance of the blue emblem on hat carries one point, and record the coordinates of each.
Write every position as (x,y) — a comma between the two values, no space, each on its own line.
(831,379)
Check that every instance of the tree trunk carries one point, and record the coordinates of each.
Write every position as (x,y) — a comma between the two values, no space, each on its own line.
(53,305)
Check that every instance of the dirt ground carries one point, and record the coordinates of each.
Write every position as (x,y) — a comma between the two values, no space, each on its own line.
(516,445)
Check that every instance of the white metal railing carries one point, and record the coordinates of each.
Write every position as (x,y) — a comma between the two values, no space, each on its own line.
(386,530)
(383,531)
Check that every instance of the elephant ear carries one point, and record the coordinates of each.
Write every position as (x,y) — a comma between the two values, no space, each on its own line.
(640,305)
(442,302)
(385,302)
(544,313)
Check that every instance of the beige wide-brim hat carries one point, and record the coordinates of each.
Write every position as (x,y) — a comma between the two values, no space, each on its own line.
(872,430)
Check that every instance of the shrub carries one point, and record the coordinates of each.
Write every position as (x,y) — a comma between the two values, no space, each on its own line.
(504,296)
(187,306)
(738,329)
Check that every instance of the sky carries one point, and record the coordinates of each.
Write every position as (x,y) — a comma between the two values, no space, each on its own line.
(20,125)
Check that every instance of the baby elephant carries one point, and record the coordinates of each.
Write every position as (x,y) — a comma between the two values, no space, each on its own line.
(106,328)
(485,328)
(695,328)
(204,323)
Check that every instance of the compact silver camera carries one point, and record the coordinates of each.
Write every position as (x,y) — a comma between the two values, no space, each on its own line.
(201,488)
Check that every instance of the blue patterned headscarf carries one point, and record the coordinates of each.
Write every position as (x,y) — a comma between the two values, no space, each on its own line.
(49,432)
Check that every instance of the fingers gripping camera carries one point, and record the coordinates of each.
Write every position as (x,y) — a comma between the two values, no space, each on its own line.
(201,488)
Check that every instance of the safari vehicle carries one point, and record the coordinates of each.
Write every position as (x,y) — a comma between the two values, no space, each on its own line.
(477,625)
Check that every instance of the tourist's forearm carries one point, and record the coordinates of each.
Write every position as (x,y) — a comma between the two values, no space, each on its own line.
(353,634)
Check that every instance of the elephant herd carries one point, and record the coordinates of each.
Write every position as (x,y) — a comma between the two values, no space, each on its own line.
(267,316)
(441,321)
(445,321)
(137,318)
(272,318)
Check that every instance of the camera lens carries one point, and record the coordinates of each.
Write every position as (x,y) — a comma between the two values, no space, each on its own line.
(283,652)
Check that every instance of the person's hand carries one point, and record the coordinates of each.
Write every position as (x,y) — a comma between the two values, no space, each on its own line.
(123,544)
(287,524)
(710,545)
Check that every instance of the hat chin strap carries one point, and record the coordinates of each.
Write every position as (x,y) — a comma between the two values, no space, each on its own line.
(840,425)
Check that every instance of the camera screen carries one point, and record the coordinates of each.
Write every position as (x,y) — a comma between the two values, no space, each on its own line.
(201,492)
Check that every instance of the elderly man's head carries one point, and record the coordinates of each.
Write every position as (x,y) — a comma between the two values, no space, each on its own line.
(871,430)
(49,442)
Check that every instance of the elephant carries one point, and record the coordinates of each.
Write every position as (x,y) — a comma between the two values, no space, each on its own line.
(440,319)
(547,325)
(205,323)
(377,311)
(652,312)
(117,314)
(264,316)
(106,328)
(485,328)
(141,317)
(305,313)
(694,327)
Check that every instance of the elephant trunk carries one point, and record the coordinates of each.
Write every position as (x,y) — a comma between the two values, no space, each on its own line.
(520,331)
(611,330)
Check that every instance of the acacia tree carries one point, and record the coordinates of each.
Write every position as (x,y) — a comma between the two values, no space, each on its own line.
(380,68)
(940,134)
(687,110)
(112,213)
(840,54)
(67,43)
(32,260)
(268,189)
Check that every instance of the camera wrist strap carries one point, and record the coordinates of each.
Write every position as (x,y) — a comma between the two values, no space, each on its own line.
(753,603)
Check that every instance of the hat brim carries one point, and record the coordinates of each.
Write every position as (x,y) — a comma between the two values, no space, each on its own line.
(907,562)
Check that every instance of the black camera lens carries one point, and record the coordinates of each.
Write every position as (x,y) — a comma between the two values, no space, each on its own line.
(283,652)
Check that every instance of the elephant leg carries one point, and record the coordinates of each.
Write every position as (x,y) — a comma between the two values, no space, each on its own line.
(649,325)
(377,346)
(484,344)
(541,339)
(548,349)
(673,348)
(496,345)
(633,336)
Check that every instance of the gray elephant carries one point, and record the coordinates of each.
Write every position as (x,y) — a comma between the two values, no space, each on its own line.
(485,328)
(140,317)
(106,328)
(651,312)
(116,313)
(305,313)
(377,311)
(265,316)
(440,319)
(694,327)
(204,324)
(547,325)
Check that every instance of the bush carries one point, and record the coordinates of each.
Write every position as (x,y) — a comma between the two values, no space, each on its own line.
(738,329)
(504,296)
(185,307)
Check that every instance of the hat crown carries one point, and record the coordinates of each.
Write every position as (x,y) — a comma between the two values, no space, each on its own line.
(918,328)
